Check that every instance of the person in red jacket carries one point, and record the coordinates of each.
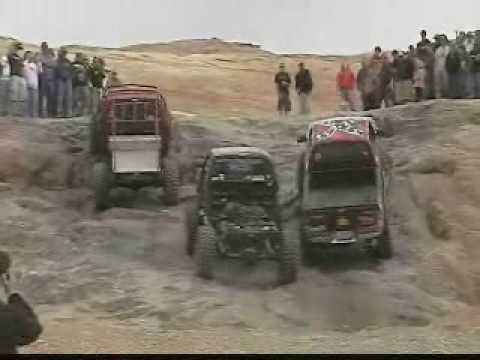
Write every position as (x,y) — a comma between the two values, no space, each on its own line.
(346,84)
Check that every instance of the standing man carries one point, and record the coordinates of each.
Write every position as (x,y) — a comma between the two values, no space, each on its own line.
(419,77)
(387,94)
(20,325)
(80,86)
(424,40)
(47,81)
(283,82)
(404,69)
(97,76)
(31,72)
(64,85)
(441,79)
(4,82)
(304,87)
(346,85)
(475,70)
(17,88)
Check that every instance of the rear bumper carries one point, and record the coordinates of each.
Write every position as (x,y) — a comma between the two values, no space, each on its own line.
(139,179)
(315,237)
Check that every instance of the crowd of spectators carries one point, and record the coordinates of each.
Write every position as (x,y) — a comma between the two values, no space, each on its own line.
(433,69)
(49,84)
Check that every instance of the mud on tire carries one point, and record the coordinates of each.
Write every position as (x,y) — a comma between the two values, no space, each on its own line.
(102,181)
(96,146)
(205,252)
(171,188)
(289,260)
(384,248)
(191,223)
(300,172)
(307,250)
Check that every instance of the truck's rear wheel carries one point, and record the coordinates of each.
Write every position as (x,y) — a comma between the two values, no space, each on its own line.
(289,260)
(191,222)
(205,252)
(300,172)
(171,182)
(102,181)
(384,248)
(307,250)
(93,135)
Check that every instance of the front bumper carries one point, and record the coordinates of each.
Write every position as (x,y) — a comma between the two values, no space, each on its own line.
(256,242)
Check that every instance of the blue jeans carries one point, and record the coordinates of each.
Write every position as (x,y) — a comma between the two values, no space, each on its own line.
(64,98)
(4,95)
(47,98)
(476,85)
(32,102)
(17,93)
(458,85)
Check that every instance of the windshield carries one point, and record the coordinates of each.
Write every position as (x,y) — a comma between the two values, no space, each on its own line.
(341,155)
(241,169)
(134,110)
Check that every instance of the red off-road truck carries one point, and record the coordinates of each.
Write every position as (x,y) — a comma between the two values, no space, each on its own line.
(341,182)
(133,138)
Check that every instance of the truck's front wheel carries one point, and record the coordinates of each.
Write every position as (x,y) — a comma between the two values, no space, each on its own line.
(205,252)
(289,260)
(384,248)
(171,182)
(102,181)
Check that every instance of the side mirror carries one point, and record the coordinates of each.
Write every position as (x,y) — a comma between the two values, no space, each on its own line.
(301,139)
(380,132)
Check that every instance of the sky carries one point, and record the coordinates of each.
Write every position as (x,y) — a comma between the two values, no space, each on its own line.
(284,26)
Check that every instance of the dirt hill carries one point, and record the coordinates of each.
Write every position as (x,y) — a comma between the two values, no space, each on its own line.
(120,281)
(214,77)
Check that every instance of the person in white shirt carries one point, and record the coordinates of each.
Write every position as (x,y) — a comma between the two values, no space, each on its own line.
(31,72)
(4,81)
(441,80)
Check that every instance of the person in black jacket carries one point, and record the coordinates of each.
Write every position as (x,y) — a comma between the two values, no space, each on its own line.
(19,324)
(304,87)
(454,68)
(97,74)
(283,82)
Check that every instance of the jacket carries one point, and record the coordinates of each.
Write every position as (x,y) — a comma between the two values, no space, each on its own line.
(19,325)
(404,68)
(346,80)
(16,65)
(304,82)
(283,81)
(97,74)
(64,69)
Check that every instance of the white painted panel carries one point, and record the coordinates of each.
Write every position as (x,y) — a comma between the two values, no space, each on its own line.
(135,161)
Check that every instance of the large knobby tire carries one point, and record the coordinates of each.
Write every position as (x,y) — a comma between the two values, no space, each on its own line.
(289,260)
(384,248)
(171,186)
(93,142)
(191,222)
(205,252)
(102,181)
(301,173)
(308,254)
